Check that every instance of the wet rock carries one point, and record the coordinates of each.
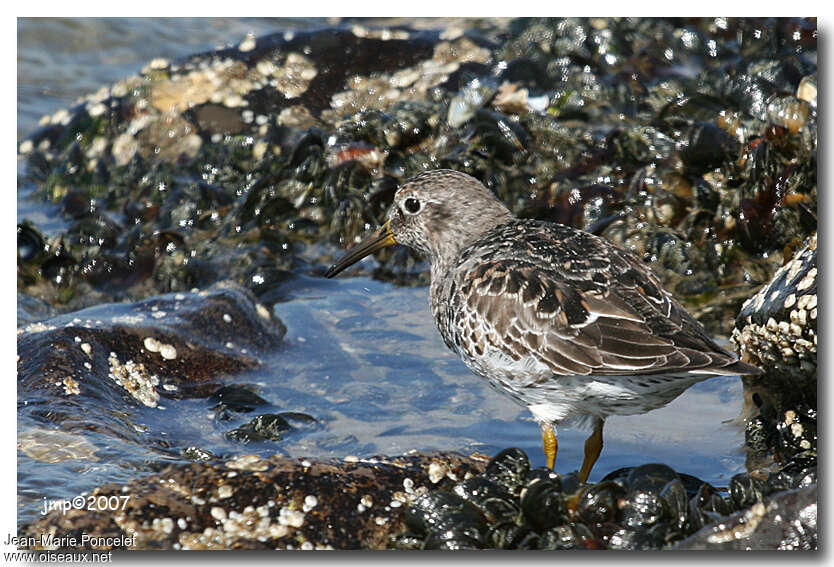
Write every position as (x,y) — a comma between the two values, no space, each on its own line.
(271,427)
(796,434)
(266,427)
(677,503)
(777,328)
(30,243)
(650,478)
(778,193)
(598,504)
(197,454)
(264,503)
(760,431)
(188,337)
(241,397)
(785,521)
(644,507)
(237,398)
(782,439)
(574,536)
(76,371)
(706,146)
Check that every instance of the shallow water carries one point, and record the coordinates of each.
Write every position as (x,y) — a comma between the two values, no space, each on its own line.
(371,351)
(362,357)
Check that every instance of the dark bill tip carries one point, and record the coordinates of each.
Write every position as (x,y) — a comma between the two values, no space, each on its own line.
(380,239)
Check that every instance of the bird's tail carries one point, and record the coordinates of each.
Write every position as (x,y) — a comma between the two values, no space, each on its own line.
(737,367)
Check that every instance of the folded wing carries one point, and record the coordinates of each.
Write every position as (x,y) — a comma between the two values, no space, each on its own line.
(584,307)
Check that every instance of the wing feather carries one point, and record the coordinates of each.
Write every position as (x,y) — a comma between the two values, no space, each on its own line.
(577,304)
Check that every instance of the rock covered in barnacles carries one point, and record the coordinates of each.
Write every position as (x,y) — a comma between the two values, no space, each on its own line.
(122,354)
(777,328)
(249,502)
(76,371)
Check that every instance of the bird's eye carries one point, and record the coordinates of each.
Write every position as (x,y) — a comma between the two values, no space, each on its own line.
(412,205)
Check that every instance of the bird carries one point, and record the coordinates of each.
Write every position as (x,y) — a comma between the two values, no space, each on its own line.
(564,322)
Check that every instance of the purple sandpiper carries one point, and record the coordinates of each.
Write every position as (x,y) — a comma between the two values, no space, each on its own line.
(566,323)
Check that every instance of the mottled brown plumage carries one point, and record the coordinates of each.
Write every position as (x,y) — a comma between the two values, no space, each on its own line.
(566,323)
(571,300)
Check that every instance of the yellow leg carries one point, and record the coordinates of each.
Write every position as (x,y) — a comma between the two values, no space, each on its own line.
(593,447)
(550,444)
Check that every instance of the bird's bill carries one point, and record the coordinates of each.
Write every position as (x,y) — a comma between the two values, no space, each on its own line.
(382,238)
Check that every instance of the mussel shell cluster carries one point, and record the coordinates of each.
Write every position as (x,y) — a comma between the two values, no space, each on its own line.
(511,506)
(692,143)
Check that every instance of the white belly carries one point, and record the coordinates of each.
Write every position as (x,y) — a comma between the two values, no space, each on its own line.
(557,399)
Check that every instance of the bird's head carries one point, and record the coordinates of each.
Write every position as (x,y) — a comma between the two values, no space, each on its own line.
(437,213)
